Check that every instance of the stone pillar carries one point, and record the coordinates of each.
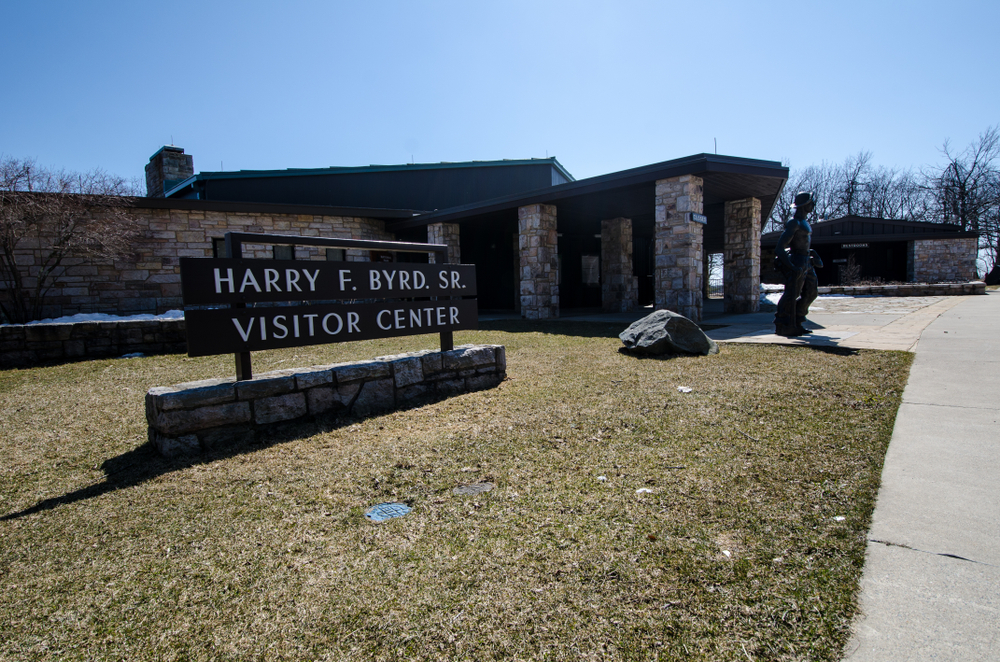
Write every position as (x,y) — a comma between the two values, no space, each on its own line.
(449,234)
(167,168)
(679,245)
(741,256)
(538,247)
(619,288)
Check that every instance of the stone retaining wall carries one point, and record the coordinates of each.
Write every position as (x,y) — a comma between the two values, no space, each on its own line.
(909,289)
(30,344)
(205,415)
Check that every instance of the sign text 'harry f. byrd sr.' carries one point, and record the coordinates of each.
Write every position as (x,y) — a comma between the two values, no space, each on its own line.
(208,281)
(248,281)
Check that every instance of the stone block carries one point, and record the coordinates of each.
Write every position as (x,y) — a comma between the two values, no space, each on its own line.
(501,358)
(328,399)
(450,386)
(318,376)
(226,437)
(408,371)
(176,423)
(279,408)
(462,358)
(350,372)
(174,446)
(191,394)
(375,396)
(481,382)
(414,393)
(431,363)
(74,348)
(265,385)
(38,333)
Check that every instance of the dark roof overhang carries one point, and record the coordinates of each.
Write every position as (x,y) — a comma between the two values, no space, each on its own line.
(631,193)
(852,229)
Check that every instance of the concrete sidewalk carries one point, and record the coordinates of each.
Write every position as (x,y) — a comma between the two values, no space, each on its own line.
(854,322)
(931,584)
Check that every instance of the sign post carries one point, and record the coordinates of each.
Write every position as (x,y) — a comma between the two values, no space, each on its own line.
(333,301)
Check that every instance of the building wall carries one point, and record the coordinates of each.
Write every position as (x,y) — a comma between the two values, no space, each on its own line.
(943,260)
(148,280)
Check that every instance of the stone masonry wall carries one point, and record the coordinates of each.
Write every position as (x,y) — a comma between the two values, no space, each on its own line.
(619,288)
(943,260)
(449,234)
(206,415)
(679,240)
(148,280)
(539,261)
(31,344)
(741,256)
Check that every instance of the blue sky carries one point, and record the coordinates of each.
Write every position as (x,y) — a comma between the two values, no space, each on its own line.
(602,86)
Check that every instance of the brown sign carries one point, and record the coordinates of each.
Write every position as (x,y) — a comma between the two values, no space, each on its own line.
(234,330)
(215,281)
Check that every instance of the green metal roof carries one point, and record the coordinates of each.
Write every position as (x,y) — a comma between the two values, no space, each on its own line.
(340,170)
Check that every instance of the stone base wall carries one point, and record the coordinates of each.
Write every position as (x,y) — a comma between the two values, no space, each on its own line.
(149,281)
(943,260)
(206,415)
(909,290)
(33,344)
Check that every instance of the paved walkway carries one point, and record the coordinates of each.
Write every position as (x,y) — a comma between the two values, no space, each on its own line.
(931,585)
(855,322)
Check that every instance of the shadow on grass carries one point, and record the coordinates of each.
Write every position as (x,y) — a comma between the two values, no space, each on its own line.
(654,357)
(836,350)
(556,327)
(144,463)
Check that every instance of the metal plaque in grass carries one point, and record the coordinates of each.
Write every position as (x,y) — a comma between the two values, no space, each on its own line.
(386,511)
(473,488)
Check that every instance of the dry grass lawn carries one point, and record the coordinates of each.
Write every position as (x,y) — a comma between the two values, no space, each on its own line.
(746,541)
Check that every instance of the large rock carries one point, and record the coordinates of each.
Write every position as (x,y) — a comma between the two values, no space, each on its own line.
(666,332)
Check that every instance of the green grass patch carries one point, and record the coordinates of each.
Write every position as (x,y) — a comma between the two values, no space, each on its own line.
(737,550)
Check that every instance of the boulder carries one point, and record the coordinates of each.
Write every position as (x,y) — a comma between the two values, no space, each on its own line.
(666,332)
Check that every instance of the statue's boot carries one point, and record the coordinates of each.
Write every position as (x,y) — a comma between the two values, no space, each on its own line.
(799,325)
(787,330)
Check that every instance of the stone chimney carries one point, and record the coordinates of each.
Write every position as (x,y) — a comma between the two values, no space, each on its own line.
(167,168)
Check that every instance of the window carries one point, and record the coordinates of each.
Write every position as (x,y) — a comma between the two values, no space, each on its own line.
(284,252)
(591,265)
(335,255)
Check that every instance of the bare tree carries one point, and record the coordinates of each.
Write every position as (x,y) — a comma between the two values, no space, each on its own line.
(818,179)
(855,187)
(965,186)
(966,191)
(48,216)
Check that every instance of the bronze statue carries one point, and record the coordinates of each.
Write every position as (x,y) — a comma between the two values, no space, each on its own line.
(797,266)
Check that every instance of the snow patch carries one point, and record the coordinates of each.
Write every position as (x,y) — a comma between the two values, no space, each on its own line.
(102,317)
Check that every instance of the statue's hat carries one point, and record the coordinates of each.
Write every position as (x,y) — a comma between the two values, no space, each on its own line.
(803,198)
